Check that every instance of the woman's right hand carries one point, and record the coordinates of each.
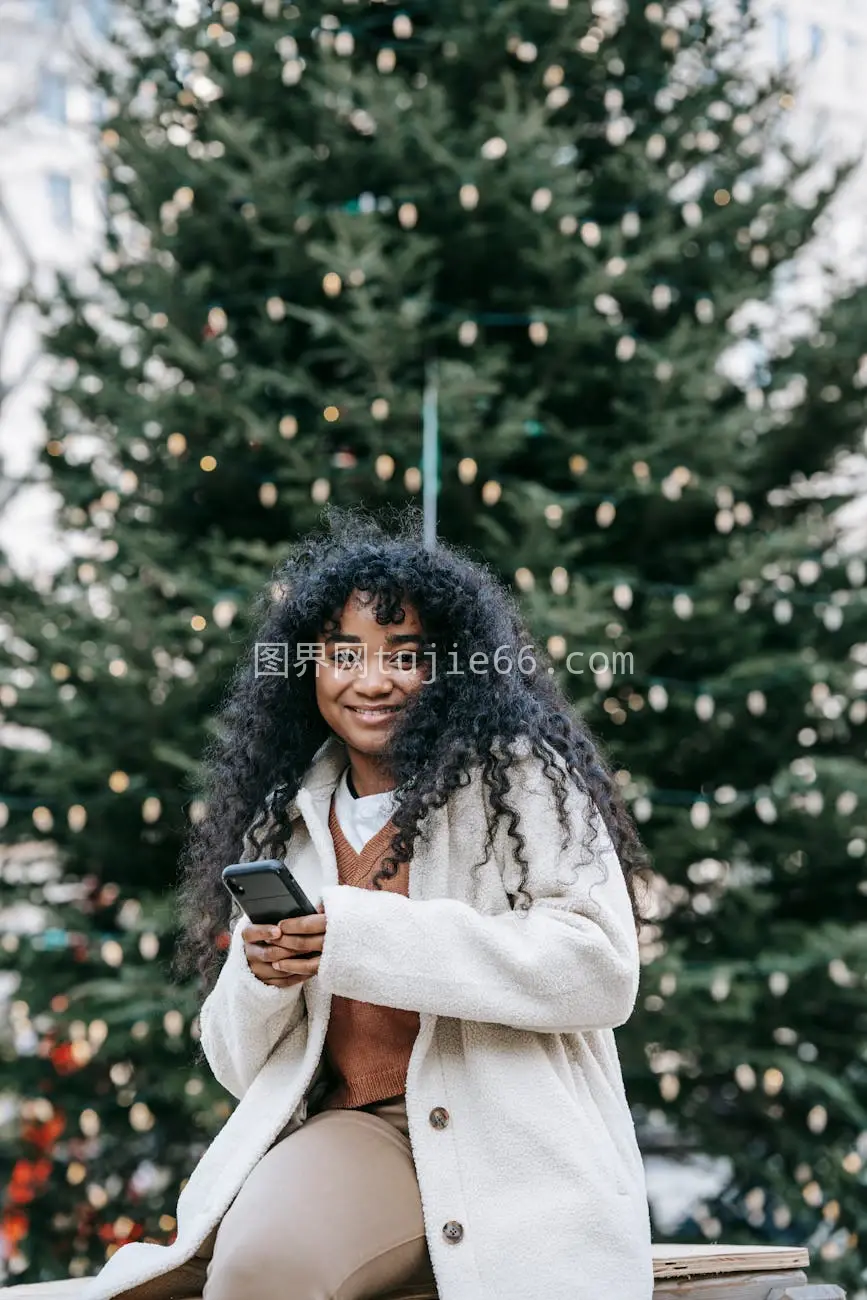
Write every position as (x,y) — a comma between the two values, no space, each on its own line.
(266,944)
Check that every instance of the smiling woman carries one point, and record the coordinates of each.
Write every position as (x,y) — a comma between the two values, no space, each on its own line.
(439,1036)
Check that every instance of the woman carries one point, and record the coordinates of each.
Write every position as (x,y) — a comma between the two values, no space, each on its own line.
(430,1099)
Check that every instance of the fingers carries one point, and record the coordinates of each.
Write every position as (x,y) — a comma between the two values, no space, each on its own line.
(296,925)
(297,947)
(291,925)
(265,974)
(297,968)
(303,966)
(305,939)
(298,958)
(287,952)
(261,933)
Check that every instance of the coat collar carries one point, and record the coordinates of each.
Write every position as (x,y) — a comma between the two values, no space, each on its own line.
(322,774)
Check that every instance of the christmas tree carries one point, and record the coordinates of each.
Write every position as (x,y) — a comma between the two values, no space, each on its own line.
(549,222)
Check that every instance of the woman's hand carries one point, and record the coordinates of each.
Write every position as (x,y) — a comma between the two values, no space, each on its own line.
(287,953)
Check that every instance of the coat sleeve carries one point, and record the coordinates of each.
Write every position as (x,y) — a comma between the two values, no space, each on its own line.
(569,964)
(242,1020)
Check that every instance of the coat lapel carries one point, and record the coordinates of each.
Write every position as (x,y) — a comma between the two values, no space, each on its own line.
(321,776)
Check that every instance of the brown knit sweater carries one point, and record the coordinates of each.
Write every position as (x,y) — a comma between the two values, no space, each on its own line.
(368,1046)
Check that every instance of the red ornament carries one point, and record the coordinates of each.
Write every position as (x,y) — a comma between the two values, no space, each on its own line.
(44,1135)
(27,1179)
(14,1227)
(20,1189)
(63,1060)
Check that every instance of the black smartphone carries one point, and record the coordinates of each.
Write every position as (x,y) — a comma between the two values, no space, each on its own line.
(266,891)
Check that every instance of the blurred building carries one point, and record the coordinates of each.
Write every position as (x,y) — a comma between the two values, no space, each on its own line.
(829,39)
(826,41)
(50,217)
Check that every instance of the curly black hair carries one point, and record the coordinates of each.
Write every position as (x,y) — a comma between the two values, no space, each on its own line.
(269,726)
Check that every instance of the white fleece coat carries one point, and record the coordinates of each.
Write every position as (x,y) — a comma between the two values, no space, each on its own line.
(534,1188)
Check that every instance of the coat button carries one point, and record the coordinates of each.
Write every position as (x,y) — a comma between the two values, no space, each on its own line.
(453,1231)
(439,1117)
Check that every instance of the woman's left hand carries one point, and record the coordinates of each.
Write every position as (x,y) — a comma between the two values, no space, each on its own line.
(302,940)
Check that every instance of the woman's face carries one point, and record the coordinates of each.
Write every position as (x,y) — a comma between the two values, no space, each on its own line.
(367,671)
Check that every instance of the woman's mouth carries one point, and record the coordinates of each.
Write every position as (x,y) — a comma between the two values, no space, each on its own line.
(374,715)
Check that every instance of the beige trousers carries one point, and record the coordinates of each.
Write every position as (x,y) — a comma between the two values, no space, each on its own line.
(332,1211)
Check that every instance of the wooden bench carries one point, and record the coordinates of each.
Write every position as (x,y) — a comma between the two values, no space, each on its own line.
(681,1273)
(736,1273)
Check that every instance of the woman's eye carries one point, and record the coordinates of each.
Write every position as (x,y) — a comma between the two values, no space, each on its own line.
(349,657)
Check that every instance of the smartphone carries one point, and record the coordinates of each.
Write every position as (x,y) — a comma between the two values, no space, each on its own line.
(266,891)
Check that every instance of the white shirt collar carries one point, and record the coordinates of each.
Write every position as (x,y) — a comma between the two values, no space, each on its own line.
(365,807)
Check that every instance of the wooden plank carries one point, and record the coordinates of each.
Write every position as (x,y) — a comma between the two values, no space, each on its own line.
(732,1286)
(711,1261)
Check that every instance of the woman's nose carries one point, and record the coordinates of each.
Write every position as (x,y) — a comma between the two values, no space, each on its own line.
(374,676)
